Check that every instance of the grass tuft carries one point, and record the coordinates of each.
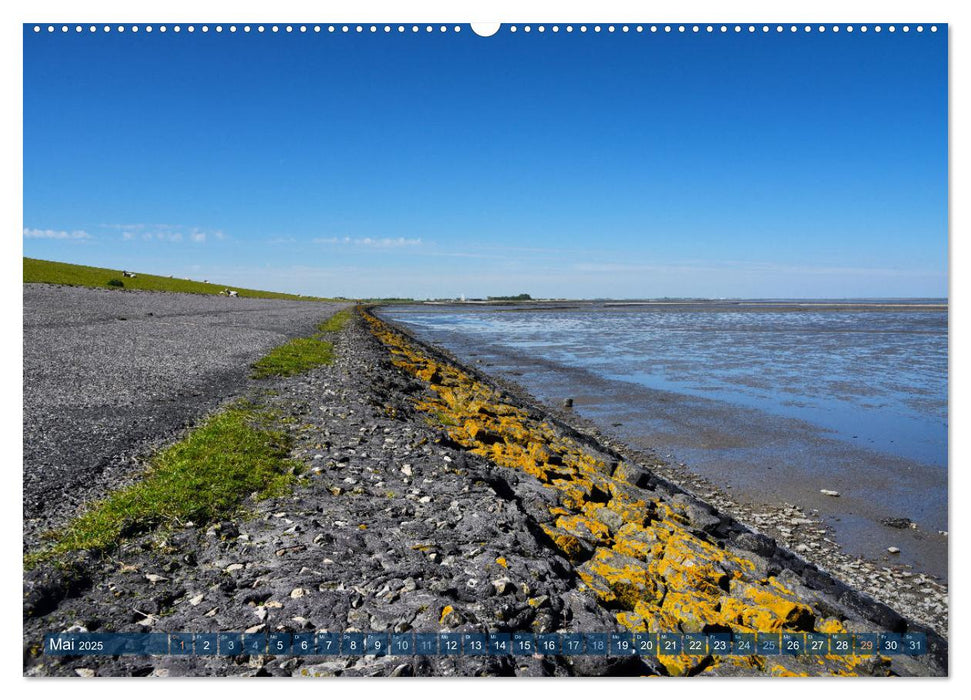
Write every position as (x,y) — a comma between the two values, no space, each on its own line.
(301,354)
(202,479)
(294,357)
(336,322)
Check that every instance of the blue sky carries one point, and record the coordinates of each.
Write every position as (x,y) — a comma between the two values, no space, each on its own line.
(426,165)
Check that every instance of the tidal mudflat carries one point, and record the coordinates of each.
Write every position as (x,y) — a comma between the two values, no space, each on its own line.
(773,402)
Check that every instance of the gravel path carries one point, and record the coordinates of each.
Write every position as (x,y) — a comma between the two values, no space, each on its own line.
(109,375)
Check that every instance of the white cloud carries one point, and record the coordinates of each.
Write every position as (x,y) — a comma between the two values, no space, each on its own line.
(56,235)
(369,242)
(167,233)
(162,236)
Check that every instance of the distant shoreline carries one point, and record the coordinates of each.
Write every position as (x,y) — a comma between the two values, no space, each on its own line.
(697,304)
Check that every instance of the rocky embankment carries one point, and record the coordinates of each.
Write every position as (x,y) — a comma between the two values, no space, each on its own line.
(436,501)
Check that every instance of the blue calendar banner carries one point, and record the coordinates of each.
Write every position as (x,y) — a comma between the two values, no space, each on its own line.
(890,644)
(523,643)
(91,644)
(696,644)
(646,643)
(254,643)
(181,644)
(500,644)
(329,643)
(549,644)
(402,644)
(450,644)
(767,643)
(793,643)
(483,644)
(596,644)
(720,644)
(352,644)
(914,643)
(304,644)
(279,643)
(865,644)
(229,644)
(572,644)
(207,644)
(841,644)
(475,644)
(743,644)
(377,644)
(817,643)
(622,644)
(426,644)
(669,644)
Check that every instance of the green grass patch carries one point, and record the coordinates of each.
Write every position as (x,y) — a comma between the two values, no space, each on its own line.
(336,322)
(294,357)
(202,479)
(82,276)
(301,354)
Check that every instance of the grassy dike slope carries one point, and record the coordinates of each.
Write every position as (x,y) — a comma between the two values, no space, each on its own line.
(46,271)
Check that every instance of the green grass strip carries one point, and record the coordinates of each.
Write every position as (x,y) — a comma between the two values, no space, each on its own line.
(82,276)
(294,357)
(202,479)
(301,354)
(336,322)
